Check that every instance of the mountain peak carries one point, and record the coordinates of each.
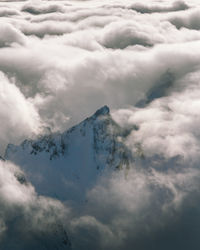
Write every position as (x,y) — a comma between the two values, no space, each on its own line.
(102,111)
(78,155)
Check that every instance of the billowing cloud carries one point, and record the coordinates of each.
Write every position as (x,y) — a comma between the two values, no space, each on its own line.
(156,7)
(10,35)
(18,115)
(5,11)
(46,28)
(189,19)
(175,129)
(41,8)
(136,207)
(28,220)
(121,35)
(59,62)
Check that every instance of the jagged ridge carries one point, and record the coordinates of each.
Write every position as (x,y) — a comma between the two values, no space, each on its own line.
(78,155)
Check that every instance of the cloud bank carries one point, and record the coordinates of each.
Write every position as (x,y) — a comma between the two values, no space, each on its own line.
(62,60)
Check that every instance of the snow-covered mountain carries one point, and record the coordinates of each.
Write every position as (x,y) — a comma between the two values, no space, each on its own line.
(66,165)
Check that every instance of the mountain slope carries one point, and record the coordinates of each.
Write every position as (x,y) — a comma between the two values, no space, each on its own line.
(73,160)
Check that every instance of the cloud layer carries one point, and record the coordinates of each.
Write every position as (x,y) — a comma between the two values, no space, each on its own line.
(59,62)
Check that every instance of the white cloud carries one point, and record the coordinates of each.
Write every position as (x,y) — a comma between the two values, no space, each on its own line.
(46,28)
(132,207)
(18,116)
(157,7)
(10,35)
(60,61)
(41,8)
(188,19)
(167,126)
(25,216)
(5,11)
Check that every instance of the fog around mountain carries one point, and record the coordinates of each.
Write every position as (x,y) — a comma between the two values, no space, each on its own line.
(60,61)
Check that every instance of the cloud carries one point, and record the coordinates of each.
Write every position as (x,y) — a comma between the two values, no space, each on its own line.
(41,8)
(5,12)
(123,34)
(188,19)
(18,116)
(10,35)
(122,210)
(28,220)
(134,208)
(46,28)
(60,62)
(93,71)
(84,75)
(151,8)
(167,125)
(119,73)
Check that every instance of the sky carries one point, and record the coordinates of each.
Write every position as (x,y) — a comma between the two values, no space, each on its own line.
(62,60)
